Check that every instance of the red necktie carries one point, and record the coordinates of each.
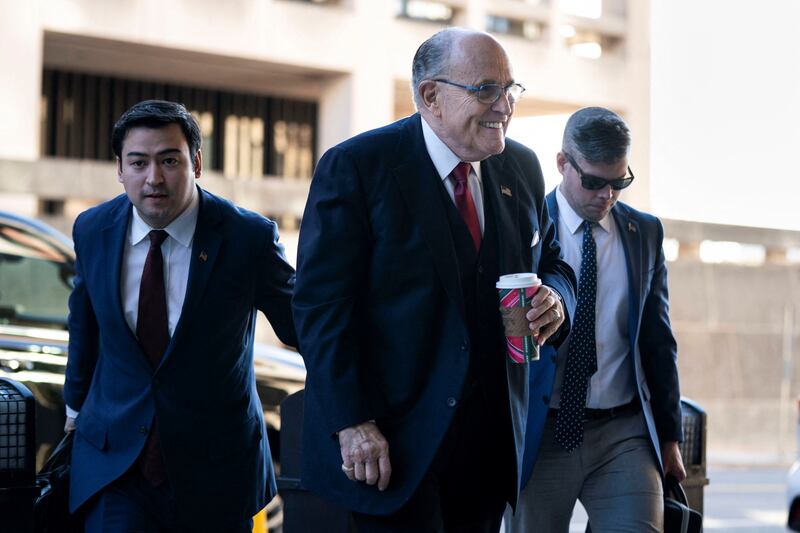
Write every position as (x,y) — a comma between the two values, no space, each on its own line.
(152,330)
(465,203)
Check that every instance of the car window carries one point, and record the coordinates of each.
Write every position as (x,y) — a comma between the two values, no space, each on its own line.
(35,279)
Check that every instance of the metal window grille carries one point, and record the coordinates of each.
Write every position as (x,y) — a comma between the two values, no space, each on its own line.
(693,451)
(17,441)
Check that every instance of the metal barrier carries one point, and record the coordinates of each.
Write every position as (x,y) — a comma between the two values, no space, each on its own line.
(693,450)
(18,489)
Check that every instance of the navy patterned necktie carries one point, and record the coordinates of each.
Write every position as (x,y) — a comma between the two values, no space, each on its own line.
(582,351)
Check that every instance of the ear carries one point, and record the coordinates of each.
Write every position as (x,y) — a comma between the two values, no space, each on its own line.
(198,164)
(119,170)
(561,162)
(429,95)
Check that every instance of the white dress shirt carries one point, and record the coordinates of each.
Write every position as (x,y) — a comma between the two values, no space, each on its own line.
(613,383)
(176,251)
(445,161)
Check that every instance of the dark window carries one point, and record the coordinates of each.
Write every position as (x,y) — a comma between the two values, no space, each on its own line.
(35,279)
(244,135)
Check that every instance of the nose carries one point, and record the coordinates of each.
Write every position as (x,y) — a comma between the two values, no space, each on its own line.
(504,104)
(606,192)
(154,175)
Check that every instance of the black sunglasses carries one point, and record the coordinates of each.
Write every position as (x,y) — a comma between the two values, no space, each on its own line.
(595,183)
(489,93)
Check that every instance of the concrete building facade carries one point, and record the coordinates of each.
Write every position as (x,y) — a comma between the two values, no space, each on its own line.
(349,59)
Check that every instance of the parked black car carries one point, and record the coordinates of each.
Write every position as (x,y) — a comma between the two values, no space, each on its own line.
(36,273)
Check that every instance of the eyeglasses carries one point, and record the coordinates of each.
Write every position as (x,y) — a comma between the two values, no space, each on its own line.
(489,93)
(595,183)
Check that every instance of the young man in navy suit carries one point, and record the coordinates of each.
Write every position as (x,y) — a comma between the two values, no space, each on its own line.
(160,387)
(614,422)
(414,417)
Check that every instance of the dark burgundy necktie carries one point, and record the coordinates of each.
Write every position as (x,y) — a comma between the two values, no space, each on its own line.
(152,330)
(464,202)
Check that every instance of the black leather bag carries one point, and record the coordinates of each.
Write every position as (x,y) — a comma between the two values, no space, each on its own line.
(678,516)
(52,506)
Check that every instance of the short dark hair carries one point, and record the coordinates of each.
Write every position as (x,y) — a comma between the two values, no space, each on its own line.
(599,134)
(157,114)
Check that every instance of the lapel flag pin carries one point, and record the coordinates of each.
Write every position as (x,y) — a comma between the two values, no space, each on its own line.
(631,227)
(505,190)
(203,256)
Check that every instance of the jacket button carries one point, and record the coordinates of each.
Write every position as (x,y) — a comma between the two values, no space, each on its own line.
(553,358)
(480,269)
(546,400)
(143,430)
(465,346)
(451,402)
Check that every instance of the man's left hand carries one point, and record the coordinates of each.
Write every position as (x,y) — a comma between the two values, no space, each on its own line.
(546,314)
(672,460)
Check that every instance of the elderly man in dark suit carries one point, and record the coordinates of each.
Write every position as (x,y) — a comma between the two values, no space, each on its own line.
(614,421)
(160,383)
(414,416)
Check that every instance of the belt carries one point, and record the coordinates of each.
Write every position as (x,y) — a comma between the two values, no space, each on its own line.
(600,414)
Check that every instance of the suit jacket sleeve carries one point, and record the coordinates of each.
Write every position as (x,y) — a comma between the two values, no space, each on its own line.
(552,269)
(556,273)
(333,258)
(274,284)
(83,336)
(659,350)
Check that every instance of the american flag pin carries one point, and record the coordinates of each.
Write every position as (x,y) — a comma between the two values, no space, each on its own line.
(631,227)
(203,256)
(505,190)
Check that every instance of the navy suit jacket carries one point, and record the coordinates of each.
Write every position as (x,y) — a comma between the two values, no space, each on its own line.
(653,349)
(203,392)
(379,305)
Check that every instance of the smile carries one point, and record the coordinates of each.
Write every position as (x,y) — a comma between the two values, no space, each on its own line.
(493,125)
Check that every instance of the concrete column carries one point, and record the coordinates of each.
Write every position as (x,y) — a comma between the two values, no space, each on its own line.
(20,92)
(637,112)
(474,15)
(364,98)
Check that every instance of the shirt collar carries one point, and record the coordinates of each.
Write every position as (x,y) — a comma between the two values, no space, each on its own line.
(181,229)
(442,156)
(572,219)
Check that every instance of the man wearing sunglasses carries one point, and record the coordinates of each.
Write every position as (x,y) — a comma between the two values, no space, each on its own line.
(414,416)
(614,421)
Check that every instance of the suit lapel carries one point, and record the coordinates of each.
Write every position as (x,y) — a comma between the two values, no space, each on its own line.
(114,236)
(500,189)
(631,237)
(552,210)
(419,184)
(205,248)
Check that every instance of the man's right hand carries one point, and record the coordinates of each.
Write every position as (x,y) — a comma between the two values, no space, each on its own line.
(365,454)
(69,425)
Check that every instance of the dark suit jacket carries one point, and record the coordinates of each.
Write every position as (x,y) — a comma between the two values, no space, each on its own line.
(652,345)
(378,303)
(203,392)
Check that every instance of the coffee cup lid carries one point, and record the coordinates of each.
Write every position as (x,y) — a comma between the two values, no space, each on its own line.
(518,281)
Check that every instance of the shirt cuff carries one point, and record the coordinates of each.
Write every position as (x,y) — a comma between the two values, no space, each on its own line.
(71,413)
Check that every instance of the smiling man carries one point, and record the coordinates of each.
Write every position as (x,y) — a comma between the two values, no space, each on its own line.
(160,384)
(414,417)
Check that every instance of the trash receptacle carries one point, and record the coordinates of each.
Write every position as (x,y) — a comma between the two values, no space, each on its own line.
(693,450)
(303,511)
(18,489)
